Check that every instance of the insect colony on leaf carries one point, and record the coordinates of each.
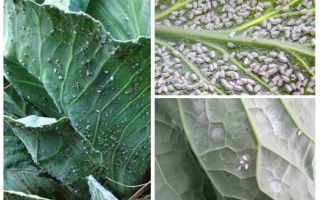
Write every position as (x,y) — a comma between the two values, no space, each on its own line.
(195,66)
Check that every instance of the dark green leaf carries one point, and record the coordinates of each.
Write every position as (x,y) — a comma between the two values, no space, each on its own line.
(101,85)
(26,85)
(69,159)
(13,104)
(125,20)
(21,174)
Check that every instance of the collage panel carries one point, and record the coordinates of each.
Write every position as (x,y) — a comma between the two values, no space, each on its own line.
(159,100)
(248,148)
(77,102)
(235,47)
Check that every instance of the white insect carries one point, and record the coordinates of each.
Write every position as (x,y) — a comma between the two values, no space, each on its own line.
(299,132)
(244,162)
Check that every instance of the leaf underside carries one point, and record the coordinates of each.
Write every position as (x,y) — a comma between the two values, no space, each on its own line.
(278,151)
(200,45)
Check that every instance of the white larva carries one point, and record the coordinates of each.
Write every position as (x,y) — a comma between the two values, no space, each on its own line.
(188,87)
(244,80)
(211,88)
(280,82)
(193,77)
(159,91)
(176,60)
(288,88)
(213,81)
(212,54)
(217,75)
(310,90)
(282,58)
(233,67)
(172,17)
(239,82)
(192,55)
(222,73)
(285,78)
(224,83)
(220,62)
(271,71)
(164,89)
(257,88)
(224,67)
(250,81)
(235,76)
(288,72)
(247,61)
(273,54)
(300,76)
(237,88)
(213,66)
(249,88)
(177,86)
(298,84)
(199,60)
(268,60)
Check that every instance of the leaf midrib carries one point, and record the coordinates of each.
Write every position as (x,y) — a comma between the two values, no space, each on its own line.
(217,36)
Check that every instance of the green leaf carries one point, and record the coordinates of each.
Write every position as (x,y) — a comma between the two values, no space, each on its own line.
(21,174)
(212,48)
(26,85)
(14,195)
(125,20)
(14,106)
(76,5)
(100,84)
(69,159)
(286,151)
(251,148)
(69,5)
(97,191)
(177,174)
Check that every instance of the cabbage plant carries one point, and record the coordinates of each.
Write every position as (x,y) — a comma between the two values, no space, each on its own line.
(219,47)
(77,99)
(239,149)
